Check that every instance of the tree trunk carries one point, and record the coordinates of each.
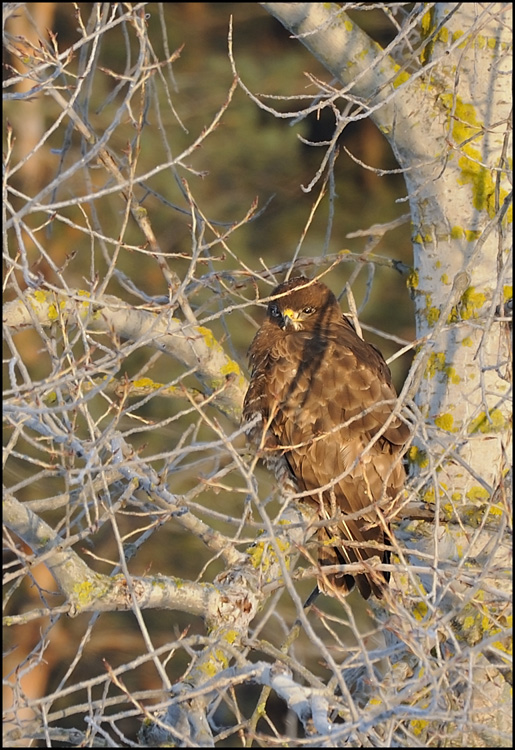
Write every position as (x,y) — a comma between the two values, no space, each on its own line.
(445,110)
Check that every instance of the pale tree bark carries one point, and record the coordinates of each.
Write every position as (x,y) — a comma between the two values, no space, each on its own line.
(445,109)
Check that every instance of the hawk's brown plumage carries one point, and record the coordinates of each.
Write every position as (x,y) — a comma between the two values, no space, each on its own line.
(324,394)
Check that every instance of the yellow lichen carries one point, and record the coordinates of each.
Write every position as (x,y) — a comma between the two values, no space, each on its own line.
(437,363)
(471,302)
(431,313)
(263,555)
(465,127)
(231,367)
(146,383)
(208,337)
(420,610)
(427,26)
(85,592)
(52,312)
(468,307)
(471,235)
(457,35)
(418,456)
(255,553)
(231,636)
(418,725)
(429,496)
(427,23)
(477,493)
(215,664)
(468,622)
(401,78)
(493,422)
(412,279)
(445,422)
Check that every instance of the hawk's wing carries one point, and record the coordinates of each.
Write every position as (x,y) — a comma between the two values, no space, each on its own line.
(327,397)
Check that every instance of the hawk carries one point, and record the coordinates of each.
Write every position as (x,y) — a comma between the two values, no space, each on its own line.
(325,398)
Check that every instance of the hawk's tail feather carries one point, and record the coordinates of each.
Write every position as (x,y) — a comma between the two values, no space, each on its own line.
(372,582)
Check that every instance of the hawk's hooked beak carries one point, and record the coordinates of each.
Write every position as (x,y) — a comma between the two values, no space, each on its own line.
(291,318)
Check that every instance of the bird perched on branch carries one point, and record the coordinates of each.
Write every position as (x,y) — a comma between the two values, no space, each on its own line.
(326,402)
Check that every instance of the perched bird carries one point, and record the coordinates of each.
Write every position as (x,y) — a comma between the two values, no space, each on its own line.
(324,396)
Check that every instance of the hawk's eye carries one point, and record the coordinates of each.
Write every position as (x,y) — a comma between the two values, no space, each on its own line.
(308,310)
(274,310)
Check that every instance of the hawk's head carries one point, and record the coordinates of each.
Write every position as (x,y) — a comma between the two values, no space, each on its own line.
(302,304)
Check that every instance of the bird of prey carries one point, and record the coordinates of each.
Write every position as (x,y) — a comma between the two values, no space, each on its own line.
(325,398)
